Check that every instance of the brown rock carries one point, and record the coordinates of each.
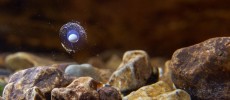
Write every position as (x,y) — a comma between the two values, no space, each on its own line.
(24,82)
(83,88)
(157,91)
(109,93)
(203,70)
(23,60)
(134,71)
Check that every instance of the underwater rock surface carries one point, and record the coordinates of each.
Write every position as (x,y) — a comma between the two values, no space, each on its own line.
(83,88)
(203,70)
(31,81)
(34,93)
(134,71)
(158,91)
(109,93)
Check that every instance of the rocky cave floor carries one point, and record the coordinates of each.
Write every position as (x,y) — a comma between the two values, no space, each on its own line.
(200,71)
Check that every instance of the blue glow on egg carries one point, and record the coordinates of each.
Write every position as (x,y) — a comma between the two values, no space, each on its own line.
(73,36)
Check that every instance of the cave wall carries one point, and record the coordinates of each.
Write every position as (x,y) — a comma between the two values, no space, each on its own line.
(157,26)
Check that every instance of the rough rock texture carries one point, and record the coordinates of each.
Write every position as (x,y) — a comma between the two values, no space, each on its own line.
(32,81)
(203,70)
(177,94)
(23,60)
(109,93)
(134,71)
(159,90)
(83,88)
(34,93)
(88,70)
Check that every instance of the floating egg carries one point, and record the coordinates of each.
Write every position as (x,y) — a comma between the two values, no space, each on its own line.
(73,37)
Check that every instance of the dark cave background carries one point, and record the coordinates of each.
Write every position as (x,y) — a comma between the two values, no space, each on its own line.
(156,26)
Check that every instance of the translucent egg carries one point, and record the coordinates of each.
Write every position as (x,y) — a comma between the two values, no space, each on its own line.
(73,37)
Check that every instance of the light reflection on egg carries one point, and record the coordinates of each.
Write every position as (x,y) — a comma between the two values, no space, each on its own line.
(73,37)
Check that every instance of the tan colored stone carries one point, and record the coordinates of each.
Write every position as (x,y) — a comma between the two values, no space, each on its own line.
(177,94)
(43,78)
(23,60)
(83,88)
(157,91)
(133,72)
(149,91)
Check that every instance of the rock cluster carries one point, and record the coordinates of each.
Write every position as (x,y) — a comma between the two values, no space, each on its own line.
(201,70)
(45,83)
(85,82)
